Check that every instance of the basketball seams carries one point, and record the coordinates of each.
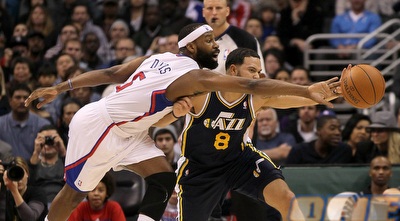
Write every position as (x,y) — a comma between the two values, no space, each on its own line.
(371,84)
(357,89)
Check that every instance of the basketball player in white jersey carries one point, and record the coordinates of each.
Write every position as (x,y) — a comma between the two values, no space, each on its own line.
(113,132)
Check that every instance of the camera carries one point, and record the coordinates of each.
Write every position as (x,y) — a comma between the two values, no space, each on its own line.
(14,172)
(49,140)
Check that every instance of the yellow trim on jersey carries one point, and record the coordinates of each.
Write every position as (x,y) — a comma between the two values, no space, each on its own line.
(180,173)
(251,106)
(262,154)
(225,103)
(190,120)
(204,108)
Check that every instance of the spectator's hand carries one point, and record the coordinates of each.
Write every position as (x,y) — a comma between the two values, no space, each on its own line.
(48,93)
(284,150)
(39,142)
(299,43)
(182,107)
(59,143)
(1,168)
(11,185)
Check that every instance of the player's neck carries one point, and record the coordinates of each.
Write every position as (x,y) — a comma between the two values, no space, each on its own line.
(231,97)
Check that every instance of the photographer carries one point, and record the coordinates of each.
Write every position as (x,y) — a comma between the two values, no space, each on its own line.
(23,202)
(47,161)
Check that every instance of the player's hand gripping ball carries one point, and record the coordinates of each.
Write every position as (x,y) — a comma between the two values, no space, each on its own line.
(362,86)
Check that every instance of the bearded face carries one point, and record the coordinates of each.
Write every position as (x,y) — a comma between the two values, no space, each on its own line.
(207,59)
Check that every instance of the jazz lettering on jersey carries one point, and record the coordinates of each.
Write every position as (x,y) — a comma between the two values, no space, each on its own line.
(225,121)
(161,66)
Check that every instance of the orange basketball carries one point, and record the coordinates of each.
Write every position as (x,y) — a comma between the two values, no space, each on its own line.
(363,87)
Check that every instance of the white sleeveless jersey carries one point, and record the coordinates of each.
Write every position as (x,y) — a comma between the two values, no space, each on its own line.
(140,102)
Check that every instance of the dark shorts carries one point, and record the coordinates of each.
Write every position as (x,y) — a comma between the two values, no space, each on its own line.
(202,188)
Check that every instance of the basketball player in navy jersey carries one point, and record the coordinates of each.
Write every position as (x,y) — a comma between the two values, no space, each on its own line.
(113,132)
(216,154)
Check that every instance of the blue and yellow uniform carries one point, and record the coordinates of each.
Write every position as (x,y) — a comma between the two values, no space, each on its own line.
(217,157)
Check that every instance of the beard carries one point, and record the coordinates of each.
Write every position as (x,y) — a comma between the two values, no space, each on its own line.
(265,131)
(206,60)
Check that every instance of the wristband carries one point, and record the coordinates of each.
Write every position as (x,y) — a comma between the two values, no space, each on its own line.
(70,84)
(174,114)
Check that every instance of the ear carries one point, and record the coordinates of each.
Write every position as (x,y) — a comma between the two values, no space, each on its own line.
(232,70)
(191,47)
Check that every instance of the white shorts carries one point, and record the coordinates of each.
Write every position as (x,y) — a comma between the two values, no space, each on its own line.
(96,145)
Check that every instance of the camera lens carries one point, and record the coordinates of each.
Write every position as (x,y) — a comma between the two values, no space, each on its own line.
(49,140)
(15,173)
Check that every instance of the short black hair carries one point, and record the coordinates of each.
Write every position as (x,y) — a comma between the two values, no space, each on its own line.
(19,87)
(109,182)
(48,127)
(237,56)
(321,121)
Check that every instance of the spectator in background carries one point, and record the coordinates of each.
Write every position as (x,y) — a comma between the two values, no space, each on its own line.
(300,75)
(269,139)
(273,60)
(385,8)
(68,31)
(98,206)
(23,201)
(355,130)
(20,126)
(328,148)
(74,47)
(385,139)
(69,107)
(63,63)
(41,21)
(81,15)
(4,104)
(282,74)
(152,28)
(380,171)
(255,28)
(36,47)
(20,30)
(172,44)
(268,13)
(172,16)
(118,30)
(47,162)
(272,41)
(133,15)
(90,57)
(298,21)
(303,126)
(228,37)
(165,139)
(356,20)
(108,15)
(21,73)
(124,47)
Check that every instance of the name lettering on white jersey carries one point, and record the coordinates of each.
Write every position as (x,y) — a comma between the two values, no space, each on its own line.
(161,66)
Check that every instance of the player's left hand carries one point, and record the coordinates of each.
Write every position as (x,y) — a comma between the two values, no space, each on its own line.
(323,92)
(182,106)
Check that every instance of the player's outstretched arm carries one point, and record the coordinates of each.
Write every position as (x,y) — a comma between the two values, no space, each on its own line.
(115,74)
(201,81)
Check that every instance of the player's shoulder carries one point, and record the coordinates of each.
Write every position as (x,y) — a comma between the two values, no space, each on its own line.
(242,38)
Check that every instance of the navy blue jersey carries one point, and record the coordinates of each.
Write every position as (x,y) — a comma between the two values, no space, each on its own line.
(215,136)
